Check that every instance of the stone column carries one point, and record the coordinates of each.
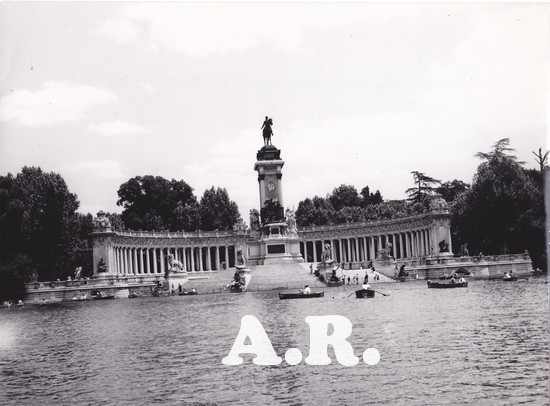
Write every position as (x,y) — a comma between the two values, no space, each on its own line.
(136,269)
(217,258)
(208,259)
(314,243)
(192,257)
(148,259)
(155,268)
(201,265)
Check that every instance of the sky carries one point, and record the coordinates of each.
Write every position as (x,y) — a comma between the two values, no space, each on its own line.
(360,94)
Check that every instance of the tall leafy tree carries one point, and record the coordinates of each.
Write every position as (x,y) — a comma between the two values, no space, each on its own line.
(316,211)
(217,211)
(424,189)
(450,190)
(149,202)
(38,215)
(344,196)
(370,198)
(503,211)
(187,216)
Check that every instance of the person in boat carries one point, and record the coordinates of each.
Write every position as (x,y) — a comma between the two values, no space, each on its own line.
(193,290)
(179,288)
(20,302)
(366,281)
(365,286)
(462,280)
(306,290)
(402,271)
(453,281)
(507,275)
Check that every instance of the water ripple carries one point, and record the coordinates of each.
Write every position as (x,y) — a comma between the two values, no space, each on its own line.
(437,347)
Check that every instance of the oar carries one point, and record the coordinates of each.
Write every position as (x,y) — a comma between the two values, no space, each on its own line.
(351,294)
(383,294)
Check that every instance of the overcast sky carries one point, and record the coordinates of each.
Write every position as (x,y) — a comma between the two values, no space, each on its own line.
(360,94)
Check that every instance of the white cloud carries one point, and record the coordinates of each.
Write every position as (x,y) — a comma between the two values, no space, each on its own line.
(203,29)
(55,102)
(116,128)
(109,169)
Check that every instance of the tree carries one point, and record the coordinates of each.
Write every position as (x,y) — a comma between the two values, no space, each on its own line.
(350,215)
(370,198)
(344,196)
(217,211)
(541,159)
(150,202)
(424,189)
(187,217)
(316,211)
(450,190)
(503,210)
(38,222)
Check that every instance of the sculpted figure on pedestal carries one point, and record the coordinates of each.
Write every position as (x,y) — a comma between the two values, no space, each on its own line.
(267,131)
(291,222)
(101,222)
(175,265)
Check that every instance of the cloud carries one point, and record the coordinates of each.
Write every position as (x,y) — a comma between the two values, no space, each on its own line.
(203,29)
(116,128)
(54,103)
(97,168)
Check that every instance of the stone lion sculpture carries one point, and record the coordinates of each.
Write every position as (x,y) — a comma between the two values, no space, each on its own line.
(175,265)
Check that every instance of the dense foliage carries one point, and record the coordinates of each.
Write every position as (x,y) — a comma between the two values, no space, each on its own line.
(154,203)
(503,211)
(39,225)
(149,202)
(217,211)
(345,205)
(425,188)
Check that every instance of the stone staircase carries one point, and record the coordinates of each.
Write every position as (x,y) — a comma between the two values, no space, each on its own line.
(274,277)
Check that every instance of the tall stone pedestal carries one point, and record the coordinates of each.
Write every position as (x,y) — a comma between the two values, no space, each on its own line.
(275,246)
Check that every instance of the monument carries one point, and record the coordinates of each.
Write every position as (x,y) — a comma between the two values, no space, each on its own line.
(102,251)
(277,237)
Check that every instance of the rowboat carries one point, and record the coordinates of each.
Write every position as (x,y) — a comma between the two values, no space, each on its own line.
(364,293)
(300,295)
(331,283)
(187,293)
(133,295)
(100,295)
(510,279)
(447,285)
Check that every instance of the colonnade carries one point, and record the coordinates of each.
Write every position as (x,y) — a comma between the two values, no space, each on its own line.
(406,244)
(154,260)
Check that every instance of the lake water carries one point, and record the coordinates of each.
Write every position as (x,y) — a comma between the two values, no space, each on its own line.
(482,345)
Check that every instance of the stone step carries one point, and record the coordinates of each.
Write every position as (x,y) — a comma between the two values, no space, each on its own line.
(274,277)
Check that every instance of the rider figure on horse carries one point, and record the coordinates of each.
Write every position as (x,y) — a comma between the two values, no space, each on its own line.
(267,131)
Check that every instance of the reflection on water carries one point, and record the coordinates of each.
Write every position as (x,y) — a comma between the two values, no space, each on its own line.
(487,344)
